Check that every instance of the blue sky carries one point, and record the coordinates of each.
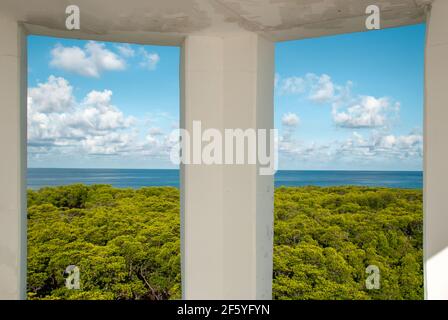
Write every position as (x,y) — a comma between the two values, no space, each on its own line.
(137,93)
(373,118)
(343,102)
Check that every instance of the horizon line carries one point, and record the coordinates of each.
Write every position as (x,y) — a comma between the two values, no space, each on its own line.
(177,169)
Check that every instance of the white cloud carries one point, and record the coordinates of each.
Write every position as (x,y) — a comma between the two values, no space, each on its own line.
(55,95)
(318,88)
(155,131)
(90,61)
(348,110)
(150,60)
(290,119)
(378,146)
(94,116)
(125,50)
(297,150)
(292,85)
(367,112)
(113,143)
(158,145)
(322,88)
(91,127)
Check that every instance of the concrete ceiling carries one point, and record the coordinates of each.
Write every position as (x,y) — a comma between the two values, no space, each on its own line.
(167,22)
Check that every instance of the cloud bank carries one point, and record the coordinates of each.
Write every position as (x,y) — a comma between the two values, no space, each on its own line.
(58,123)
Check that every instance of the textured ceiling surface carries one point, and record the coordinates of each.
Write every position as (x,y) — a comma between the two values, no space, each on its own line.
(169,21)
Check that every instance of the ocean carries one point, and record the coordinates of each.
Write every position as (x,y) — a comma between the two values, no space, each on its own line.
(137,178)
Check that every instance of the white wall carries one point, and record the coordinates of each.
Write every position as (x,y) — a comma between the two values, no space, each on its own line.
(436,153)
(227,210)
(12,159)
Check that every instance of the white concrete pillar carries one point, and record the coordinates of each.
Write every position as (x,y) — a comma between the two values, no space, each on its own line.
(227,210)
(12,159)
(436,153)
